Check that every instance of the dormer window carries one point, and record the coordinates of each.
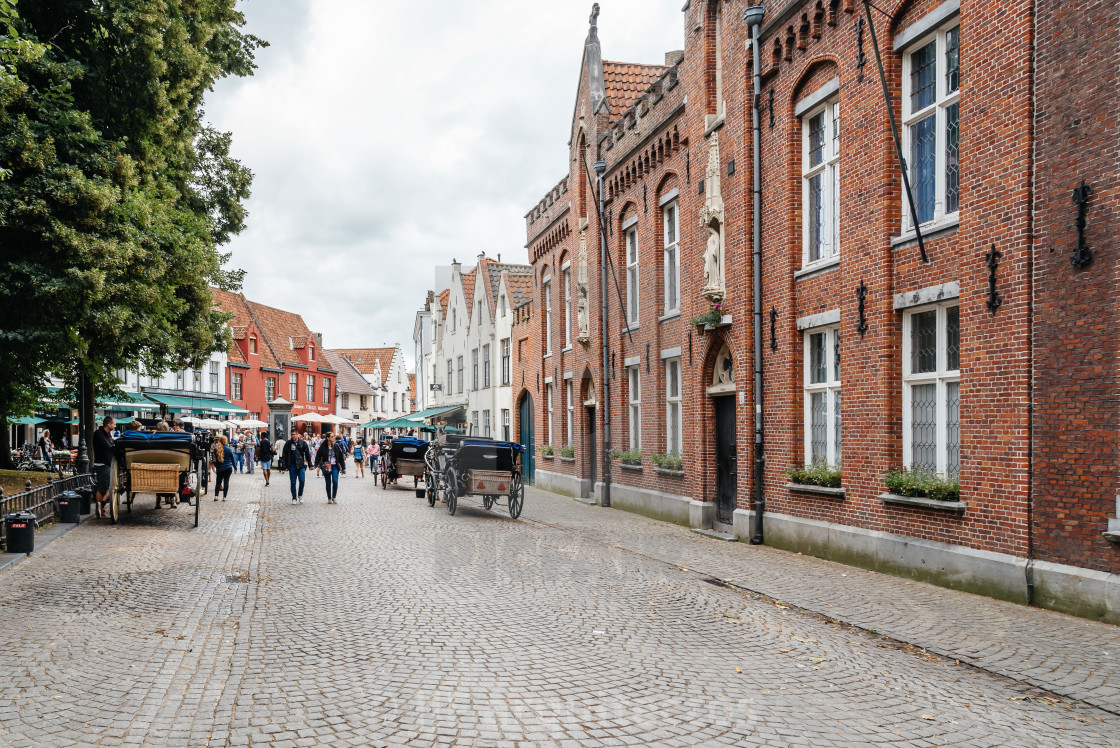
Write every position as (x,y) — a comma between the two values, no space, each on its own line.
(252,344)
(311,353)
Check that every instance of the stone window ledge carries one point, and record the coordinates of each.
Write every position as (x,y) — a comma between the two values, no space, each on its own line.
(828,491)
(562,458)
(546,457)
(957,507)
(635,468)
(666,471)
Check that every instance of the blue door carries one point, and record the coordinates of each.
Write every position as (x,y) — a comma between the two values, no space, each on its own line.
(526,438)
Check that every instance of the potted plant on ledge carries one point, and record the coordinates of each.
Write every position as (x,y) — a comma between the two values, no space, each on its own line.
(567,453)
(547,451)
(671,463)
(711,319)
(818,478)
(923,488)
(630,459)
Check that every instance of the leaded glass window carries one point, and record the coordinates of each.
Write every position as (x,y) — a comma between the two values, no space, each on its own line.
(931,389)
(821,183)
(822,396)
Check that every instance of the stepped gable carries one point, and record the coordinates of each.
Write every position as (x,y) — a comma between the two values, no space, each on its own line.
(365,360)
(494,271)
(625,82)
(349,378)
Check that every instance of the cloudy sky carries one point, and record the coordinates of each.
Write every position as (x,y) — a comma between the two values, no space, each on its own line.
(389,137)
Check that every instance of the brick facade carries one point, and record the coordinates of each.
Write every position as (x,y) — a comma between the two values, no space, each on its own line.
(1027,136)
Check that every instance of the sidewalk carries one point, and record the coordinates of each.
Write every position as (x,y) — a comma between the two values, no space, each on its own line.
(1068,656)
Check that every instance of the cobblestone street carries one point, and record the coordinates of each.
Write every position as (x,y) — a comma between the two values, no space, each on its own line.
(383,621)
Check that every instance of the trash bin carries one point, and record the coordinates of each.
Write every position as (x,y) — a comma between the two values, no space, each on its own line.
(21,531)
(69,507)
(87,499)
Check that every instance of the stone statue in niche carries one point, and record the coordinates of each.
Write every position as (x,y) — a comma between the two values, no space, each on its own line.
(711,217)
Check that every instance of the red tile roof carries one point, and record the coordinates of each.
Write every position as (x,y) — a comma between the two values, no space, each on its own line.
(468,290)
(444,297)
(286,331)
(242,311)
(520,287)
(626,81)
(366,359)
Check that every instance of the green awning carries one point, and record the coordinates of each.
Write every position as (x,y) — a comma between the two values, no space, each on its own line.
(129,401)
(178,404)
(23,421)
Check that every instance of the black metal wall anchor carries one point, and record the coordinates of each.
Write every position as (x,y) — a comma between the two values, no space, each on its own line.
(647,358)
(773,331)
(1082,256)
(861,58)
(861,292)
(992,259)
(771,107)
(645,205)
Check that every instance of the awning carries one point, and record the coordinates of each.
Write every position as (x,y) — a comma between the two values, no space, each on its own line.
(177,404)
(23,421)
(130,401)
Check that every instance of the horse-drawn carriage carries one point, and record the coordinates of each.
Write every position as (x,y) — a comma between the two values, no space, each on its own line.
(172,465)
(459,466)
(404,456)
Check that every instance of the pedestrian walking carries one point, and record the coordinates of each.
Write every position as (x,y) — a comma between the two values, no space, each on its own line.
(359,461)
(46,449)
(297,457)
(237,443)
(223,467)
(265,454)
(103,457)
(249,447)
(374,457)
(331,459)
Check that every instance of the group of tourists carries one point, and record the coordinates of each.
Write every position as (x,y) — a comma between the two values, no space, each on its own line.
(328,455)
(243,450)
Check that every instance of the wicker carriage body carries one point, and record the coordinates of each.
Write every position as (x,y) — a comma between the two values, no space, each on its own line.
(154,477)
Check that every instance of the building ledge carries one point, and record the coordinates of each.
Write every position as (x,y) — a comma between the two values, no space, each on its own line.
(666,471)
(956,507)
(830,492)
(632,468)
(562,458)
(1112,536)
(670,316)
(817,267)
(931,230)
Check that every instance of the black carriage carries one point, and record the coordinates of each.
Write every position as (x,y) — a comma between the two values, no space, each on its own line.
(404,456)
(475,466)
(171,465)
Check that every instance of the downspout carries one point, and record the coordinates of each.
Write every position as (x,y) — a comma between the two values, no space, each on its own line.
(1030,312)
(753,17)
(605,497)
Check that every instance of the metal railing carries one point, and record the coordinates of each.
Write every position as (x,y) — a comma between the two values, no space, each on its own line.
(40,500)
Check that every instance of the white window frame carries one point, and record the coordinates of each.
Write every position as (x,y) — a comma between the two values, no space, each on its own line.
(236,386)
(505,424)
(674,408)
(459,373)
(214,372)
(486,366)
(566,279)
(830,387)
(474,423)
(450,377)
(310,388)
(672,261)
(269,389)
(633,279)
(293,386)
(502,305)
(634,393)
(943,99)
(829,171)
(345,404)
(941,376)
(486,423)
(547,285)
(326,390)
(506,357)
(570,407)
(474,369)
(548,405)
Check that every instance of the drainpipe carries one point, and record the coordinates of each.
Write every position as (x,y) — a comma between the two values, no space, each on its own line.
(753,18)
(605,497)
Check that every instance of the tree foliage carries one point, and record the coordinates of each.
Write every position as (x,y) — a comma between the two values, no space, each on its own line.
(115,197)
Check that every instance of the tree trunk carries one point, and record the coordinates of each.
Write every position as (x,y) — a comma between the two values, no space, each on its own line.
(5,444)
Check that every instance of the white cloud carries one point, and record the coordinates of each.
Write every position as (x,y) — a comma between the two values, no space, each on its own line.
(389,137)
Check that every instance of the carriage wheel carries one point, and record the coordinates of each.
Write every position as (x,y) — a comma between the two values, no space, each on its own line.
(430,488)
(198,490)
(452,492)
(516,496)
(384,478)
(487,502)
(114,506)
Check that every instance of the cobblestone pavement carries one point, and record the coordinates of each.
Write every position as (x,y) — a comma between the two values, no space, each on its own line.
(380,621)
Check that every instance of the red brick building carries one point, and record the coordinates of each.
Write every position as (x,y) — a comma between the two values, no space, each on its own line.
(275,356)
(872,356)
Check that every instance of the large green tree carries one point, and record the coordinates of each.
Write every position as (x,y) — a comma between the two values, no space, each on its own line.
(117,197)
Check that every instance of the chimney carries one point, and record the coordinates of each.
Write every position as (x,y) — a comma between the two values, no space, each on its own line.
(456,267)
(481,257)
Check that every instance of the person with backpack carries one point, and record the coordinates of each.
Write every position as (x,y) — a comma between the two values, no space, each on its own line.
(222,463)
(265,453)
(359,462)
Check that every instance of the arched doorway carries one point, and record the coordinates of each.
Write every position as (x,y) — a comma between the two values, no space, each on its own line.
(591,463)
(525,408)
(722,392)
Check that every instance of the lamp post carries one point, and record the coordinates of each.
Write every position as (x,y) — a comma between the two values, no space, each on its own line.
(82,463)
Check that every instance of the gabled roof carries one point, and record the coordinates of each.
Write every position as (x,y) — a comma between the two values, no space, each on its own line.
(494,272)
(349,378)
(625,82)
(243,316)
(468,280)
(444,297)
(365,360)
(286,331)
(520,286)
